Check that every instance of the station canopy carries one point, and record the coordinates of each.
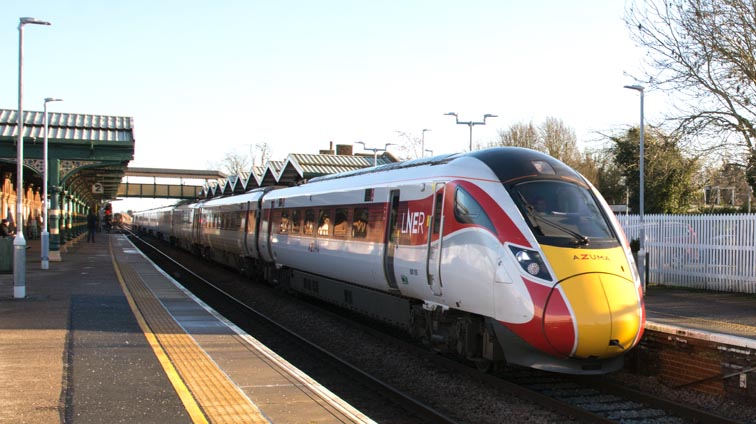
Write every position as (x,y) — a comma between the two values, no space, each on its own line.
(90,152)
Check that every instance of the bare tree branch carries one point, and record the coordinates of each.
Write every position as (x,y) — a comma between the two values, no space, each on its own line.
(702,52)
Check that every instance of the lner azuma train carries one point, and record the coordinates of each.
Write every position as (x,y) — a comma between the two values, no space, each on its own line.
(503,254)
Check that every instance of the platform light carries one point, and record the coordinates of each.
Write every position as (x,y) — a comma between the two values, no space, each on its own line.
(642,242)
(471,124)
(375,150)
(19,242)
(45,236)
(422,147)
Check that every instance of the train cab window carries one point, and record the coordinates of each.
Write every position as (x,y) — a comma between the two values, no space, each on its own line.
(468,211)
(340,222)
(309,222)
(563,213)
(360,223)
(283,227)
(295,217)
(324,222)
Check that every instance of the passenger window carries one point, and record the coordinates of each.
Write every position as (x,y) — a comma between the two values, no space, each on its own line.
(309,222)
(252,222)
(340,222)
(283,228)
(295,217)
(360,223)
(468,211)
(324,222)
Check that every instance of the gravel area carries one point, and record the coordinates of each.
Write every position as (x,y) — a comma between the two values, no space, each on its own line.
(744,411)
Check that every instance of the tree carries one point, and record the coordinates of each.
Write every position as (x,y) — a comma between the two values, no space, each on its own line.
(262,152)
(552,137)
(410,146)
(668,175)
(560,141)
(599,168)
(702,52)
(520,135)
(234,163)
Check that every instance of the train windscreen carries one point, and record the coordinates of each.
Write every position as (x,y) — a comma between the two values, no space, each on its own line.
(563,214)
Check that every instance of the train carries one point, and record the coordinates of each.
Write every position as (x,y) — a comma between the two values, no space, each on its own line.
(499,256)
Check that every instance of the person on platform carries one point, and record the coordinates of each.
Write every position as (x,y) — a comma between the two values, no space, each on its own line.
(91,226)
(5,230)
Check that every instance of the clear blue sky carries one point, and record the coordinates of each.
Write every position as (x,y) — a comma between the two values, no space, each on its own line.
(204,78)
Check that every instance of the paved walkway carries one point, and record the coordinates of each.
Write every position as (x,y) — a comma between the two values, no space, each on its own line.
(725,314)
(40,376)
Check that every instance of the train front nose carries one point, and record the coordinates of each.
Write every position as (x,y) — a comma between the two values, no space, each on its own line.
(604,311)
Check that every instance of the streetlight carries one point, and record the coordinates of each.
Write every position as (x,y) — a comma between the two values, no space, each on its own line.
(19,242)
(471,124)
(45,240)
(642,244)
(422,149)
(375,150)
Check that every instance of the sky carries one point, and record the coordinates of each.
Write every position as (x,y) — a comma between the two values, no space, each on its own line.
(202,79)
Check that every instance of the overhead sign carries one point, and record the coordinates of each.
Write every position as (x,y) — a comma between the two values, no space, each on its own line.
(97,188)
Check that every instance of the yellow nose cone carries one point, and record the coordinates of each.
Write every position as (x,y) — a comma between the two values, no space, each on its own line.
(607,313)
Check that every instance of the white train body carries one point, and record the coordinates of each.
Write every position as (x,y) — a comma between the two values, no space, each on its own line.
(452,248)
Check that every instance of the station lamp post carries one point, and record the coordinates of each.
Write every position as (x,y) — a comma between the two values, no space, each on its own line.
(642,241)
(45,237)
(422,148)
(471,124)
(19,242)
(375,150)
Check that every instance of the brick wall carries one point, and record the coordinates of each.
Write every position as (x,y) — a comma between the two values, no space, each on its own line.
(682,361)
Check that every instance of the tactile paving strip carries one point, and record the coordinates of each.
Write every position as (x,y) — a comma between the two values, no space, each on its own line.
(219,398)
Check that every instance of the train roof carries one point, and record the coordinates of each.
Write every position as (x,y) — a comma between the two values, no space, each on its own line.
(508,163)
(435,160)
(514,163)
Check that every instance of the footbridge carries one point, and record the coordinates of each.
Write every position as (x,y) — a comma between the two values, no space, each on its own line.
(159,183)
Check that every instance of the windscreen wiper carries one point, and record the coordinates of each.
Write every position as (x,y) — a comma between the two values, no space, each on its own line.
(532,216)
(535,219)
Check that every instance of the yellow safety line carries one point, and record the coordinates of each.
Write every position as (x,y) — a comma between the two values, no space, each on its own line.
(194,410)
(219,398)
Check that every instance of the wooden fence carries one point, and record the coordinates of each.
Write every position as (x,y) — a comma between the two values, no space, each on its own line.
(711,252)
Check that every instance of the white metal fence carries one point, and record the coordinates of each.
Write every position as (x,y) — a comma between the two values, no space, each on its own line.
(712,252)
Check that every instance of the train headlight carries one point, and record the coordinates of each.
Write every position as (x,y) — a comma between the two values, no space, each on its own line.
(531,262)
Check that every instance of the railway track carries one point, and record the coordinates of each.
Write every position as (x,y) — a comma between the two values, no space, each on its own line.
(579,400)
(595,399)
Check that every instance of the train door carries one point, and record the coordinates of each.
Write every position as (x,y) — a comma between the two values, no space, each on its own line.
(196,230)
(263,237)
(247,226)
(435,238)
(392,234)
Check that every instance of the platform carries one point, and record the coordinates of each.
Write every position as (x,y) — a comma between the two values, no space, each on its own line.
(728,318)
(103,336)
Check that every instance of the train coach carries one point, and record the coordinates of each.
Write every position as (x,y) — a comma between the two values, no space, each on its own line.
(500,255)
